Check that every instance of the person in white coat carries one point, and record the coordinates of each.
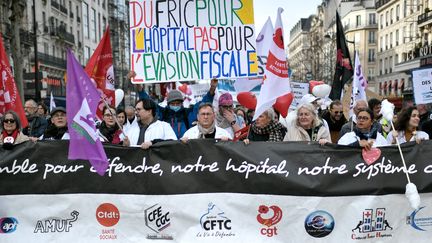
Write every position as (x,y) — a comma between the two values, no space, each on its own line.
(206,127)
(151,129)
(406,127)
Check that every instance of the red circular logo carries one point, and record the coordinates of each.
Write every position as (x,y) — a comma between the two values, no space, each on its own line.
(107,214)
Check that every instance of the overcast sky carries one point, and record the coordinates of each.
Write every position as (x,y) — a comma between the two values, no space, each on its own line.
(293,11)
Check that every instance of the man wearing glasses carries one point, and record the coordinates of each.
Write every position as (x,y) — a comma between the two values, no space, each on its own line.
(58,129)
(335,119)
(37,124)
(206,127)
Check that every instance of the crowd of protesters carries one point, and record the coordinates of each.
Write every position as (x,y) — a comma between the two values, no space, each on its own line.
(148,123)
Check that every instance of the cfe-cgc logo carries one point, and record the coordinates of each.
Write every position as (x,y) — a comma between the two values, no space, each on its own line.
(420,219)
(215,223)
(157,220)
(319,224)
(373,225)
(8,225)
(56,224)
(269,217)
(107,215)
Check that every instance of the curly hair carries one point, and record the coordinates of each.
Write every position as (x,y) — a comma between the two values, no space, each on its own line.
(403,118)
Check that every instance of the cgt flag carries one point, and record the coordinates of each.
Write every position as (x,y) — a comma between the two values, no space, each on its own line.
(276,80)
(82,100)
(344,70)
(9,96)
(100,69)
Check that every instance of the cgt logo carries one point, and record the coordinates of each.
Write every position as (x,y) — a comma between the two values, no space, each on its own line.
(107,214)
(269,219)
(8,225)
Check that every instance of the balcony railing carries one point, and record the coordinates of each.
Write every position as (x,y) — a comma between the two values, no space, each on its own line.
(55,4)
(360,26)
(52,60)
(63,9)
(381,3)
(424,17)
(63,34)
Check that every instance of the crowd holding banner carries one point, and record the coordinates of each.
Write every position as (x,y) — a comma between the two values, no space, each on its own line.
(205,171)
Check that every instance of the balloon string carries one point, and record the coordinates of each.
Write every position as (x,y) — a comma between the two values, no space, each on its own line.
(401,154)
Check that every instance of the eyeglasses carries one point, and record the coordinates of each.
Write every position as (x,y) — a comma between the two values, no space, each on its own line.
(363,118)
(108,115)
(10,121)
(226,106)
(206,114)
(338,112)
(29,107)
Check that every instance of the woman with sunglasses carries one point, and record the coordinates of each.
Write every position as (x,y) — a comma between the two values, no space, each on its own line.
(406,127)
(11,131)
(364,134)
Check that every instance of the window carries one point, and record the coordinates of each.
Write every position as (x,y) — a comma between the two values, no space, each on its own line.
(371,55)
(381,20)
(404,34)
(93,24)
(396,59)
(405,8)
(387,18)
(391,16)
(86,20)
(391,40)
(358,20)
(386,42)
(397,12)
(46,48)
(53,50)
(372,19)
(381,43)
(397,37)
(86,53)
(99,26)
(371,37)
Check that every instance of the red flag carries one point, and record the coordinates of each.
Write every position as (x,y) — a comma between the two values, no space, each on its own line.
(100,69)
(9,96)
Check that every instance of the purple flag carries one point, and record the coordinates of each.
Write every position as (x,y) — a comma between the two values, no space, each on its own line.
(82,99)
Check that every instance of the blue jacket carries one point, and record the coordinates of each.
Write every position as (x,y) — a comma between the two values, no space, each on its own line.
(182,119)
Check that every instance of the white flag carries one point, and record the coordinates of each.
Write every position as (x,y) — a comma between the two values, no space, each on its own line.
(276,80)
(52,103)
(359,85)
(264,39)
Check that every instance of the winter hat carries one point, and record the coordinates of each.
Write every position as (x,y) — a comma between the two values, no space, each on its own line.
(226,99)
(57,109)
(174,95)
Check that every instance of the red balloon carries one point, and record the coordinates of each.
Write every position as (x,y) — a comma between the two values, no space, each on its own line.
(247,99)
(283,103)
(183,88)
(314,83)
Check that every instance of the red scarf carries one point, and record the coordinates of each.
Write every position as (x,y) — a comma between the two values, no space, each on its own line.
(14,135)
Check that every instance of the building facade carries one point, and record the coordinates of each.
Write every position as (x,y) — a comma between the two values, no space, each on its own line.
(398,46)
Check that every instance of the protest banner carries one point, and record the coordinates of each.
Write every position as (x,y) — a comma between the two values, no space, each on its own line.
(207,191)
(422,84)
(299,90)
(192,40)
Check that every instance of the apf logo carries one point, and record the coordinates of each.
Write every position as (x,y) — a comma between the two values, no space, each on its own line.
(371,223)
(215,223)
(419,219)
(269,219)
(107,214)
(8,225)
(319,224)
(56,224)
(157,220)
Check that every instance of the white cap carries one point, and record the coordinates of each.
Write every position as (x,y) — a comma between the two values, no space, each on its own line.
(308,99)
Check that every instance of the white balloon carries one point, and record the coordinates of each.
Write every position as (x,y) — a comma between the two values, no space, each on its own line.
(321,90)
(119,94)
